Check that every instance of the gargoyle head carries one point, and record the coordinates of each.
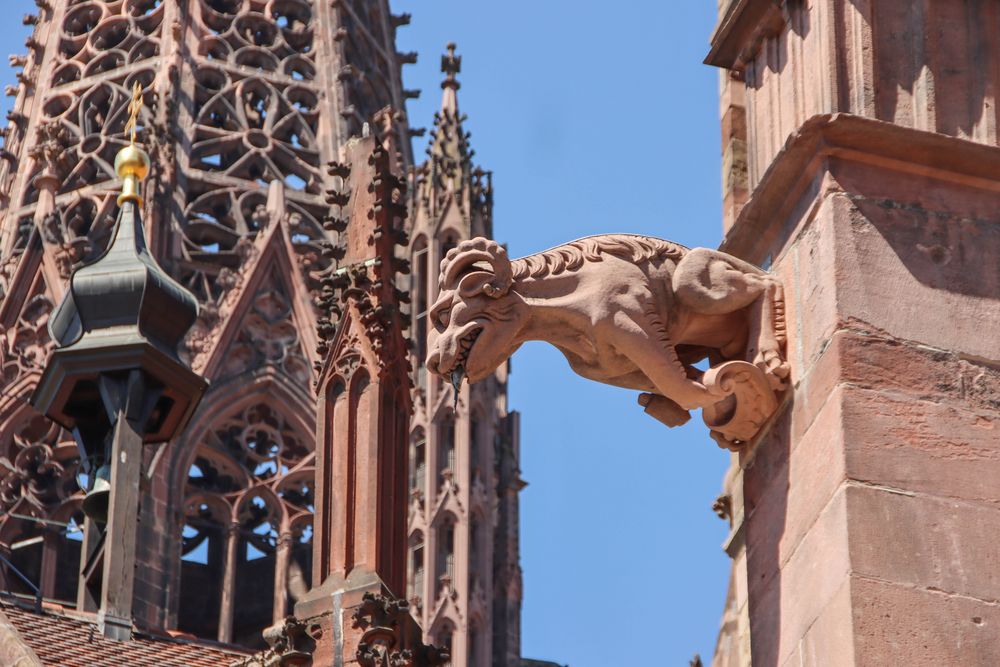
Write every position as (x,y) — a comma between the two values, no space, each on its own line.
(475,316)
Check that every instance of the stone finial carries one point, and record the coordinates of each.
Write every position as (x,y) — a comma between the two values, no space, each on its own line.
(384,622)
(451,65)
(290,644)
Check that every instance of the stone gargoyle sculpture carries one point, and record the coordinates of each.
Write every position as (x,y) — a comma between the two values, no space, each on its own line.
(626,310)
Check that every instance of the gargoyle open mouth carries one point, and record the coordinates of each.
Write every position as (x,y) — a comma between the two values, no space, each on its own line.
(464,347)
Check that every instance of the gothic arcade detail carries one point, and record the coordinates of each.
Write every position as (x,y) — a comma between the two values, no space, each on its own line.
(464,576)
(241,113)
(247,103)
(247,536)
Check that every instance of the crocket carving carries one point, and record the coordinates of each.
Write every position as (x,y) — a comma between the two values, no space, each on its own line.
(626,310)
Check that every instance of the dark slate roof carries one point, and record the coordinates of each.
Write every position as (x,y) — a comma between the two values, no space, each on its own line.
(64,638)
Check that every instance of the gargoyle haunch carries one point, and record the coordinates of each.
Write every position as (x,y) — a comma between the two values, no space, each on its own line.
(626,310)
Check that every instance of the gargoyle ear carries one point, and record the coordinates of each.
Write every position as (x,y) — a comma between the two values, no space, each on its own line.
(480,282)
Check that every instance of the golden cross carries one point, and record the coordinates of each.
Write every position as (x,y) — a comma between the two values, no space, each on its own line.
(134,108)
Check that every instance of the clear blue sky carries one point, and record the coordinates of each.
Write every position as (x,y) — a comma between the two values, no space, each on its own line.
(594,117)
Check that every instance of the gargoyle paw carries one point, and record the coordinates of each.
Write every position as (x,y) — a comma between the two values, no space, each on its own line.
(776,368)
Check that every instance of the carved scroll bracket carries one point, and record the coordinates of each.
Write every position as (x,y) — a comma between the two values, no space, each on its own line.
(749,402)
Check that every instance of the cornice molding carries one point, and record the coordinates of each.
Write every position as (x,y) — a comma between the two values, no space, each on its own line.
(862,140)
(740,31)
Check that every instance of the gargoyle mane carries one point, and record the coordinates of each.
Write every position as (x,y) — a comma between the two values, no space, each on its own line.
(572,255)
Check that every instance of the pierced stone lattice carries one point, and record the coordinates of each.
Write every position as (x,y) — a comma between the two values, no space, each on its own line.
(238,94)
(102,49)
(256,116)
(25,346)
(252,470)
(40,500)
(37,469)
(268,336)
(251,480)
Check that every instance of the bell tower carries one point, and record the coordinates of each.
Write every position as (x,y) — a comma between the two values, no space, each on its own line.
(247,104)
(465,577)
(246,101)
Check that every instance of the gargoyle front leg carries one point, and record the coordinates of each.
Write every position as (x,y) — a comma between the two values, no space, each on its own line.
(712,282)
(646,345)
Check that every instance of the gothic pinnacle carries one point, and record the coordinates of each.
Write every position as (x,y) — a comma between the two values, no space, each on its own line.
(451,65)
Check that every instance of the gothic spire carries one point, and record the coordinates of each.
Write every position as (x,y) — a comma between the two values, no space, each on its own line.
(448,176)
(451,65)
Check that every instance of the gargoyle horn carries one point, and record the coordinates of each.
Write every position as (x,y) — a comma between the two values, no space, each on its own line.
(468,254)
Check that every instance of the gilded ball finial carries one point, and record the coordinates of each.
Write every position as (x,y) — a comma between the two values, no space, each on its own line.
(132,165)
(132,161)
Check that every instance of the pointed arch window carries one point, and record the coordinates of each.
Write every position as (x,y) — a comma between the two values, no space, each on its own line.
(475,449)
(450,241)
(446,449)
(246,540)
(40,516)
(445,638)
(415,587)
(476,551)
(421,275)
(446,552)
(475,643)
(418,463)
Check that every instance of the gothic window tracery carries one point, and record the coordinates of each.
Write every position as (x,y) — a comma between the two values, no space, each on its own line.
(420,264)
(367,88)
(476,550)
(415,585)
(475,643)
(444,637)
(418,463)
(475,447)
(246,541)
(40,515)
(268,337)
(446,450)
(445,564)
(25,346)
(110,39)
(255,121)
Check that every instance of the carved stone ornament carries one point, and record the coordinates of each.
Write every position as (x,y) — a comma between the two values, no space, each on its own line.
(626,310)
(386,642)
(290,644)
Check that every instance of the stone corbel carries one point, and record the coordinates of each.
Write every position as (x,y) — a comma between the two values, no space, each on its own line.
(389,636)
(290,644)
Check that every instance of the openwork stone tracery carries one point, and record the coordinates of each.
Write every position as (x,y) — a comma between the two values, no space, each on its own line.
(40,515)
(256,120)
(248,512)
(241,96)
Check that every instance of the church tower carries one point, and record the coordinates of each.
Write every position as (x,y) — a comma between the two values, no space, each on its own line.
(247,104)
(465,579)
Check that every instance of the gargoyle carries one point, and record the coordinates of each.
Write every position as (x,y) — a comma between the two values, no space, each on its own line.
(626,310)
